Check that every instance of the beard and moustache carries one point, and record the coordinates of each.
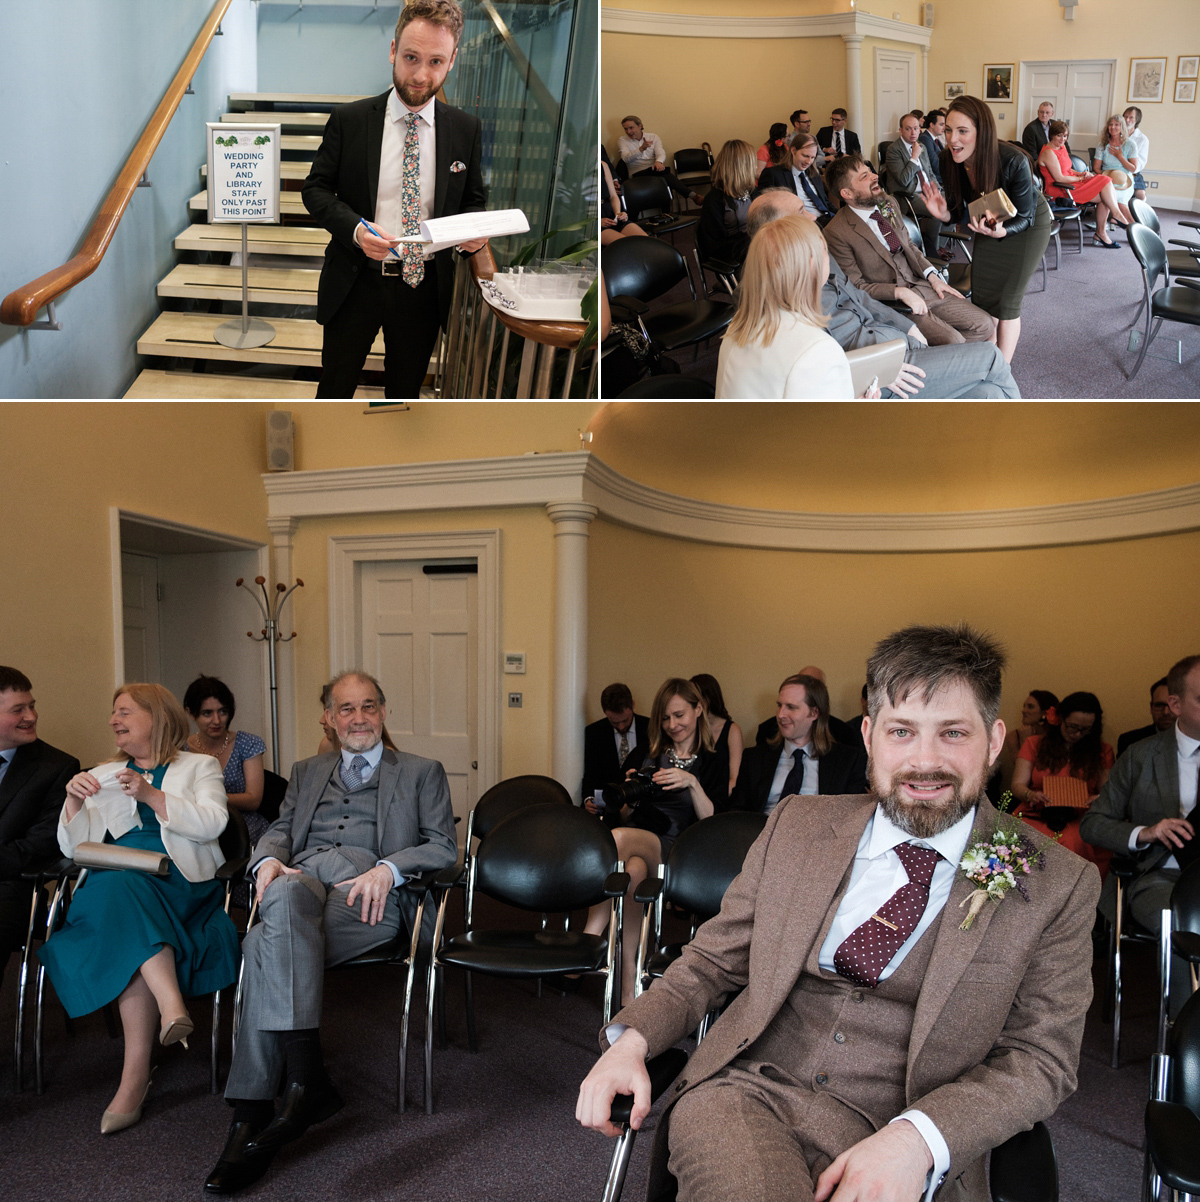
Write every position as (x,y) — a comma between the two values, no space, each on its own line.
(923,820)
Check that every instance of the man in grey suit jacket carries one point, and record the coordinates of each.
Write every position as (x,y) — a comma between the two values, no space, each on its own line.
(908,165)
(873,1045)
(1146,804)
(353,827)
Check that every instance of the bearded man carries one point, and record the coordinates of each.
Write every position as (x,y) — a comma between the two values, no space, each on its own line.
(874,1048)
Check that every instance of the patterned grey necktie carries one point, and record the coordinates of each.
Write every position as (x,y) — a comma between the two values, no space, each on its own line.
(623,745)
(352,776)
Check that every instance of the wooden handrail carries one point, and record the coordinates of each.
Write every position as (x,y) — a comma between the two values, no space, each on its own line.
(20,307)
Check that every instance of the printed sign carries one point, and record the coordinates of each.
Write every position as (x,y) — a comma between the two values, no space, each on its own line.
(243,172)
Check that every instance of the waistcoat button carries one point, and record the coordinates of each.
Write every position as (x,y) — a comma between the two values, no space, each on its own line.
(822,1079)
(839,1037)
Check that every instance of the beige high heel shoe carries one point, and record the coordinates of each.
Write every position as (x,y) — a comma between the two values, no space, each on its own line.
(176,1030)
(112,1121)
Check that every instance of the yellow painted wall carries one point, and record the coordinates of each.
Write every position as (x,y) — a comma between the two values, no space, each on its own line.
(1109,618)
(63,465)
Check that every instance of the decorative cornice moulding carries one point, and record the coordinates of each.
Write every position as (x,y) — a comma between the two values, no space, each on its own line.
(827,25)
(578,476)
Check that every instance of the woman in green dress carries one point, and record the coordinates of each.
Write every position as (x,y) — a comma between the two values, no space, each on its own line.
(145,941)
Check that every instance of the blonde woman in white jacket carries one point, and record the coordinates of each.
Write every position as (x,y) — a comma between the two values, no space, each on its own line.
(145,940)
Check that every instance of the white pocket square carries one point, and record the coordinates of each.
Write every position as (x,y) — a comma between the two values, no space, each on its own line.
(458,166)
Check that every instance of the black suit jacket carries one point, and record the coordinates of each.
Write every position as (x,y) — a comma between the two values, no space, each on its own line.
(841,770)
(31,796)
(342,186)
(825,139)
(785,177)
(1135,736)
(601,765)
(1033,138)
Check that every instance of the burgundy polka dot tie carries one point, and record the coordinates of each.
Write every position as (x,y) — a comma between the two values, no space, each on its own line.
(866,951)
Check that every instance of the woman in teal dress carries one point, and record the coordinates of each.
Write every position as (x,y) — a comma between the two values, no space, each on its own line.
(145,941)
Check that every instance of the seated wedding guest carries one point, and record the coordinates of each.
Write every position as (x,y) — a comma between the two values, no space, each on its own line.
(1034,720)
(33,782)
(776,346)
(835,139)
(801,178)
(1161,718)
(1072,746)
(802,756)
(1037,133)
(909,165)
(1080,186)
(329,737)
(726,733)
(240,754)
(843,732)
(145,941)
(933,138)
(644,152)
(1117,156)
(608,741)
(1007,250)
(686,782)
(802,124)
(614,221)
(773,151)
(1141,147)
(721,233)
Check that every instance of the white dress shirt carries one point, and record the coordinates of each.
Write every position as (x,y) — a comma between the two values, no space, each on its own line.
(787,757)
(1141,145)
(638,159)
(1187,752)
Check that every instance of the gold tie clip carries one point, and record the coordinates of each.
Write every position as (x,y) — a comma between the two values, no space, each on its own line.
(885,922)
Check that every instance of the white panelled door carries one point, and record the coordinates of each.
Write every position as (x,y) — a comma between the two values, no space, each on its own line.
(139,602)
(1081,93)
(419,639)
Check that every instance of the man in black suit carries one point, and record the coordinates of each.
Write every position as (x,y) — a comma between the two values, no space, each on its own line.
(388,163)
(836,139)
(33,785)
(606,743)
(1037,133)
(768,728)
(801,179)
(1161,718)
(802,757)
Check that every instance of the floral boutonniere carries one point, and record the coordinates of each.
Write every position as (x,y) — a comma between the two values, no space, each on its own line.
(998,866)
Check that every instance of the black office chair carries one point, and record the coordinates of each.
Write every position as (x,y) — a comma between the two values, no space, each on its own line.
(1177,302)
(274,791)
(693,166)
(882,150)
(1184,262)
(642,269)
(648,201)
(1173,1113)
(1123,932)
(726,273)
(957,275)
(1179,937)
(548,859)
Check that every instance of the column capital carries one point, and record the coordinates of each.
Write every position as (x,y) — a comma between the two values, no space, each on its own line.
(571,511)
(283,527)
(852,39)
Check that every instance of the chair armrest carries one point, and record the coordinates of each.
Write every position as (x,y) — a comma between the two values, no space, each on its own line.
(663,1070)
(1123,866)
(1187,945)
(647,892)
(47,870)
(627,308)
(1173,1141)
(449,877)
(616,884)
(419,884)
(1191,224)
(1194,247)
(232,869)
(1186,282)
(1024,1168)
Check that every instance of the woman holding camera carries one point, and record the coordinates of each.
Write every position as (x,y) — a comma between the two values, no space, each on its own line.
(680,779)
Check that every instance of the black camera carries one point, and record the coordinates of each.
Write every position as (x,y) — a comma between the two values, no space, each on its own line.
(634,790)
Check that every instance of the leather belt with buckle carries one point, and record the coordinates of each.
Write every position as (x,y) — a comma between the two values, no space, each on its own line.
(391,267)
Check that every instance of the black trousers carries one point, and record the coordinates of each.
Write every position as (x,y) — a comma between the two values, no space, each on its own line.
(410,320)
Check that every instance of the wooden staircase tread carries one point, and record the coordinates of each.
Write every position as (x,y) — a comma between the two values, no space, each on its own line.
(262,239)
(274,285)
(305,142)
(289,202)
(297,341)
(283,118)
(186,385)
(247,100)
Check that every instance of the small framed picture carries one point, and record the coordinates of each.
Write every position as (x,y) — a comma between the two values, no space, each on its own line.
(1188,66)
(955,90)
(1185,91)
(1146,79)
(997,81)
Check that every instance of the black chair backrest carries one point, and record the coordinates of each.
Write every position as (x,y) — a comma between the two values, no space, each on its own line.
(1144,214)
(692,159)
(646,193)
(1078,163)
(914,232)
(1183,1048)
(235,838)
(550,858)
(883,149)
(704,860)
(274,790)
(1147,247)
(670,386)
(514,794)
(641,267)
(1185,900)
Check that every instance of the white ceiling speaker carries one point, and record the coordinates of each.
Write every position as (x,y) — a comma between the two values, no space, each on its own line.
(280,430)
(927,15)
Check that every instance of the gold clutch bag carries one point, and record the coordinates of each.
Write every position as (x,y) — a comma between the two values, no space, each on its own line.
(109,855)
(996,202)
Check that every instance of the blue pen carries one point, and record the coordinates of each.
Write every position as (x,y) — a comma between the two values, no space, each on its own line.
(367,226)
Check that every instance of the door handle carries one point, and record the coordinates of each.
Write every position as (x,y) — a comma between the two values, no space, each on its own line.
(474,763)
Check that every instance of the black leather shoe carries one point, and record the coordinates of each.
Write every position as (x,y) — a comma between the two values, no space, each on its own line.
(302,1106)
(241,1164)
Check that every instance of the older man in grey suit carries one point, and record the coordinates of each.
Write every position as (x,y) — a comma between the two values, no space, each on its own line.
(353,827)
(874,1046)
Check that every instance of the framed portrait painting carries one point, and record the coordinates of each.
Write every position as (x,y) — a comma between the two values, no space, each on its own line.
(1146,79)
(955,90)
(1185,91)
(997,81)
(1188,66)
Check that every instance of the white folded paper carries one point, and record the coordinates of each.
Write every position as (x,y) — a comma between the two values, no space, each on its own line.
(465,227)
(117,808)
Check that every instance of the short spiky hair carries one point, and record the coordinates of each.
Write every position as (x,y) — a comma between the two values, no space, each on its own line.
(445,13)
(927,658)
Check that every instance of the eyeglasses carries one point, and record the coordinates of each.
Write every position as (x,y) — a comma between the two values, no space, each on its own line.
(1159,705)
(1071,728)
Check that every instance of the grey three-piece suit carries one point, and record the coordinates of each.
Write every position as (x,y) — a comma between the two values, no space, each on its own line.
(401,814)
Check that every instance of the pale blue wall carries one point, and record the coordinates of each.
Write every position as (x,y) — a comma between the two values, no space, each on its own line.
(79,81)
(329,48)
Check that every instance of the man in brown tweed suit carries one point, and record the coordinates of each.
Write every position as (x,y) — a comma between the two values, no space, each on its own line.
(846,1066)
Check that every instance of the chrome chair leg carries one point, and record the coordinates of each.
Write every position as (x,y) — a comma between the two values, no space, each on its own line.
(22,983)
(37,1030)
(1116,1043)
(215,1066)
(619,1166)
(434,981)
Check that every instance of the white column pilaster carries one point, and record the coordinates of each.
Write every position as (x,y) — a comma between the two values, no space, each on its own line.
(925,78)
(854,99)
(571,521)
(283,532)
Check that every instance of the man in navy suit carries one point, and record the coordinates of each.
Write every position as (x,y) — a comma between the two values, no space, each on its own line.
(933,138)
(606,743)
(33,785)
(391,162)
(801,179)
